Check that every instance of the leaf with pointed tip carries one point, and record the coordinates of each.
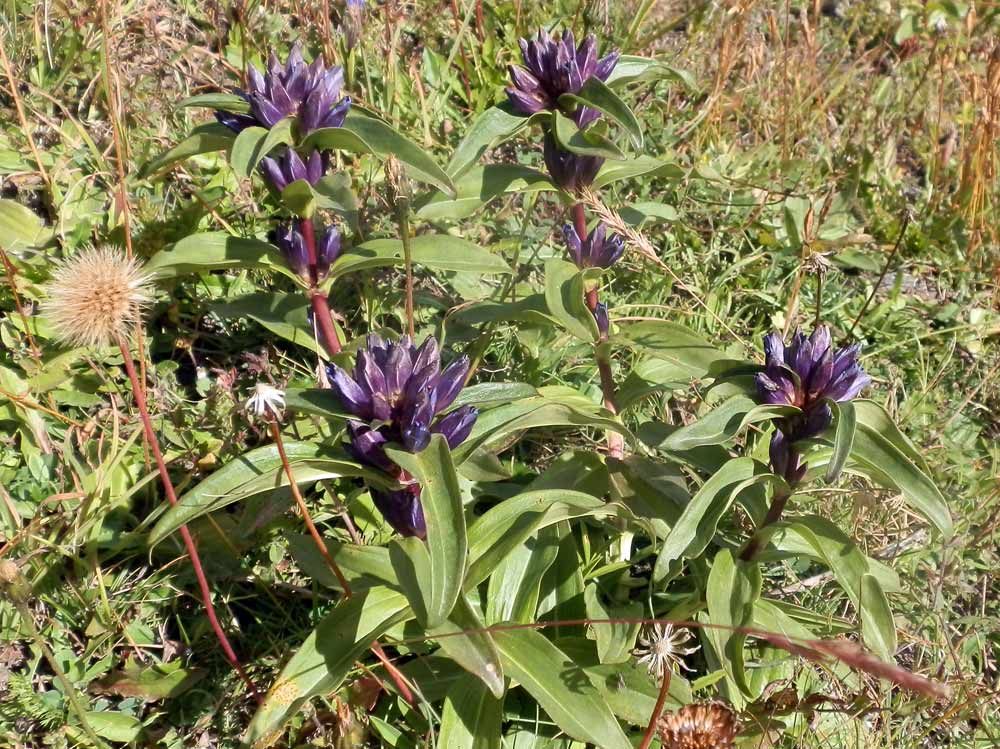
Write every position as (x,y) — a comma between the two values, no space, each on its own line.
(218,100)
(216,250)
(491,128)
(212,136)
(435,251)
(564,294)
(471,717)
(583,142)
(596,95)
(845,424)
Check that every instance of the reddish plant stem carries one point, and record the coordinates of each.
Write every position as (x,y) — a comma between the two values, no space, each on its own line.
(616,445)
(318,300)
(192,550)
(654,719)
(306,516)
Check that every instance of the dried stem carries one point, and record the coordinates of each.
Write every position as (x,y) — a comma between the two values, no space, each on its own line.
(192,550)
(654,719)
(403,218)
(110,92)
(881,277)
(11,272)
(22,119)
(316,537)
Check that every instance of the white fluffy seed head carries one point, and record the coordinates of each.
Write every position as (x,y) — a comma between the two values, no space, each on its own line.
(96,297)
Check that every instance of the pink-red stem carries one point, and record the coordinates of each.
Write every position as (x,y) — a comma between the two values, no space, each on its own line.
(654,719)
(318,300)
(192,550)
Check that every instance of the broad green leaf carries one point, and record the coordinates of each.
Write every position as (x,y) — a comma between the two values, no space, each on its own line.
(217,250)
(463,639)
(149,683)
(560,687)
(615,641)
(514,583)
(491,128)
(583,142)
(844,426)
(364,566)
(732,590)
(444,514)
(887,458)
(114,726)
(723,423)
(247,150)
(638,214)
(530,310)
(257,471)
(299,199)
(480,185)
(383,140)
(218,100)
(334,193)
(212,136)
(411,561)
(435,251)
(671,342)
(564,295)
(634,69)
(489,394)
(820,539)
(878,630)
(596,94)
(335,138)
(471,717)
(317,401)
(285,315)
(873,417)
(20,227)
(614,171)
(324,659)
(697,524)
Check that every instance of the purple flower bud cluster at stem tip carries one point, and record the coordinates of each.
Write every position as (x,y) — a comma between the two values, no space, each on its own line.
(806,373)
(292,244)
(553,66)
(598,250)
(397,393)
(310,92)
(281,171)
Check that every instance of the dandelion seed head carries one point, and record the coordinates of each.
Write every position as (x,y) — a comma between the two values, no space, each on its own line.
(95,297)
(266,402)
(660,646)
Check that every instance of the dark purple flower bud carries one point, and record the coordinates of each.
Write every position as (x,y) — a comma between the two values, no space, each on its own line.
(554,66)
(368,445)
(310,92)
(327,251)
(452,381)
(602,320)
(806,373)
(402,510)
(597,251)
(356,398)
(282,171)
(293,247)
(457,425)
(568,170)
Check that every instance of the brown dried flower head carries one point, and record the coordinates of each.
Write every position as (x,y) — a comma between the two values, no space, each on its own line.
(700,725)
(95,297)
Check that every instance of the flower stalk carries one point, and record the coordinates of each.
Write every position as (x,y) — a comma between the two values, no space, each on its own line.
(319,301)
(189,544)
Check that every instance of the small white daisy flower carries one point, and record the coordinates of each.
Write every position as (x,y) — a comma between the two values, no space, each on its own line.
(660,645)
(266,402)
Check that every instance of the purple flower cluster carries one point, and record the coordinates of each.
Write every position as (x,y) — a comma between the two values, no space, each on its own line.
(281,171)
(397,393)
(310,92)
(554,66)
(598,250)
(806,373)
(292,244)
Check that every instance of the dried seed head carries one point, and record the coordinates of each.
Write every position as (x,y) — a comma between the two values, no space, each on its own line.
(700,725)
(95,297)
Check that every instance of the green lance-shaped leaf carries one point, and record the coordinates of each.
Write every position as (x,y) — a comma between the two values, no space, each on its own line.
(435,251)
(615,641)
(446,544)
(212,136)
(20,227)
(844,427)
(514,583)
(671,342)
(481,184)
(878,630)
(324,659)
(723,423)
(285,315)
(254,143)
(698,522)
(471,717)
(299,199)
(208,251)
(382,139)
(463,639)
(882,453)
(561,688)
(564,293)
(733,588)
(596,94)
(634,69)
(615,171)
(363,566)
(335,138)
(491,128)
(583,142)
(218,100)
